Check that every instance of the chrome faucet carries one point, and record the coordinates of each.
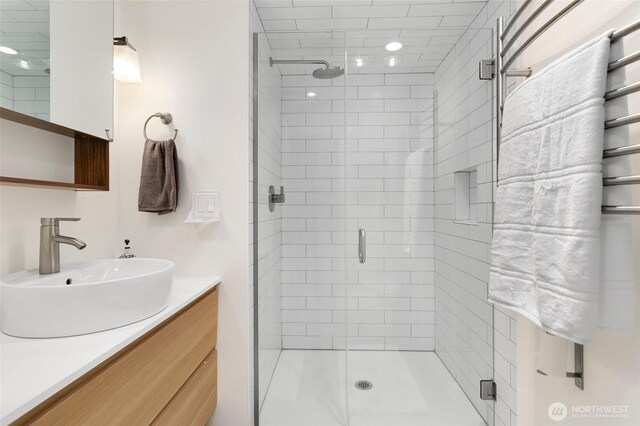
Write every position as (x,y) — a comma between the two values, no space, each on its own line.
(50,240)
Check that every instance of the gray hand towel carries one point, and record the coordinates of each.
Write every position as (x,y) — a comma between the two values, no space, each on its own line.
(159,177)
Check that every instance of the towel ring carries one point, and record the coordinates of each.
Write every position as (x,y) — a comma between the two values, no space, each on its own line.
(165,117)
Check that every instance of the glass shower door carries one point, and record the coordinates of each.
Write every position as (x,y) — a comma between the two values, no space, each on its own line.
(420,327)
(390,258)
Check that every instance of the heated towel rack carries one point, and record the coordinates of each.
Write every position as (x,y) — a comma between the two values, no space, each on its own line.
(500,68)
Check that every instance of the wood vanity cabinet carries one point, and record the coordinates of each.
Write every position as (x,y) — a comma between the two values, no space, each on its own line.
(166,377)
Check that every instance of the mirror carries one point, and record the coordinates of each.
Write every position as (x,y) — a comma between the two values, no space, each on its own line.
(56,60)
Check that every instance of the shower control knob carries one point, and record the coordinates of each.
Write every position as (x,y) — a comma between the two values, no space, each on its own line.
(275,198)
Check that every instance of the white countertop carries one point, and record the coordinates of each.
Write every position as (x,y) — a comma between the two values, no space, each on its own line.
(32,370)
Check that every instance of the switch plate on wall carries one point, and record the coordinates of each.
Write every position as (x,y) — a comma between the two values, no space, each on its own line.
(205,207)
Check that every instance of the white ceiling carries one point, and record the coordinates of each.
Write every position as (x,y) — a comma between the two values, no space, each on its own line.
(24,26)
(316,29)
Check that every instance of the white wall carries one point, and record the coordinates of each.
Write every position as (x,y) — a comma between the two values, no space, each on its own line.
(194,63)
(389,193)
(465,320)
(21,209)
(612,361)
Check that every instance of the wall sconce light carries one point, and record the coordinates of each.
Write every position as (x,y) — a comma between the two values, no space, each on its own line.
(126,65)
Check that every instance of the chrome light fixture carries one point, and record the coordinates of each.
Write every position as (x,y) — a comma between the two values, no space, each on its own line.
(126,65)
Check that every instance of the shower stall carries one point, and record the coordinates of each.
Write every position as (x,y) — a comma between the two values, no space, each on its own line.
(372,184)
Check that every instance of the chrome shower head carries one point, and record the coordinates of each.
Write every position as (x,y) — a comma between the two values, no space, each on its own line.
(328,72)
(325,73)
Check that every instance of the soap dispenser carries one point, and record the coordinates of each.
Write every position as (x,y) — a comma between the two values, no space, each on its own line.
(127,251)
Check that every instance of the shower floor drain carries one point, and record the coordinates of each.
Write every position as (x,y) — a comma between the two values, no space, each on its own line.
(364,385)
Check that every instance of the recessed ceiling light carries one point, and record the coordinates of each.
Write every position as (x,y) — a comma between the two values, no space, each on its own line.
(23,64)
(392,46)
(360,61)
(8,50)
(311,94)
(392,61)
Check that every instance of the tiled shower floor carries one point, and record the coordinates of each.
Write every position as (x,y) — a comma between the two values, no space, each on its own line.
(409,389)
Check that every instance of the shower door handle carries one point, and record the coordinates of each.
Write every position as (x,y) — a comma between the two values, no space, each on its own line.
(362,245)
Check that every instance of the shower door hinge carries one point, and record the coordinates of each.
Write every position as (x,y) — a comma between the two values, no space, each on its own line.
(486,69)
(488,390)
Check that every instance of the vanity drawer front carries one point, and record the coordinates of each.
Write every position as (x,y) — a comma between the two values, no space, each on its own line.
(194,403)
(135,385)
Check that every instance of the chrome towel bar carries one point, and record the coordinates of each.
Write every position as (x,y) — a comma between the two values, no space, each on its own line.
(523,27)
(555,18)
(622,91)
(621,209)
(634,26)
(623,150)
(621,180)
(499,68)
(626,60)
(622,121)
(515,17)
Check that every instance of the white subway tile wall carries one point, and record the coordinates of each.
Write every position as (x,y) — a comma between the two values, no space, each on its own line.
(389,136)
(6,90)
(31,96)
(269,223)
(464,131)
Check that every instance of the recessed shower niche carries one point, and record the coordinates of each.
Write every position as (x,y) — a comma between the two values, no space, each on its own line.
(466,196)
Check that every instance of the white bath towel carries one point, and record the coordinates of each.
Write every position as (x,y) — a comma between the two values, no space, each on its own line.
(545,254)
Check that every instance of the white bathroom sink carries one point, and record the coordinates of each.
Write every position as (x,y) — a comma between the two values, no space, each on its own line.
(84,297)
